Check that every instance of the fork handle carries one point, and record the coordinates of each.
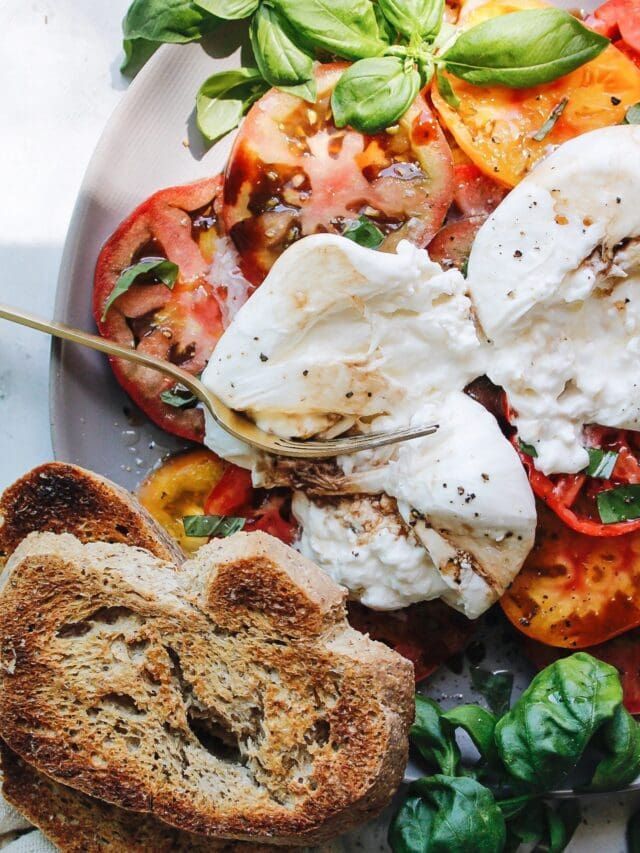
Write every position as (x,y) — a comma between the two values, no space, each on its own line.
(67,333)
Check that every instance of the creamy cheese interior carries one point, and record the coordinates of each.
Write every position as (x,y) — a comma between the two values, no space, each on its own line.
(339,335)
(554,275)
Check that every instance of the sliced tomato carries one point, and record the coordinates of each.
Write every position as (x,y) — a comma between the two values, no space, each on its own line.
(573,497)
(179,487)
(292,172)
(495,125)
(452,244)
(618,19)
(623,652)
(181,325)
(575,590)
(269,511)
(474,194)
(427,633)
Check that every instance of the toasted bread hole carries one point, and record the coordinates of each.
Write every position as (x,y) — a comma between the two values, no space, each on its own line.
(73,629)
(219,741)
(318,733)
(122,529)
(122,703)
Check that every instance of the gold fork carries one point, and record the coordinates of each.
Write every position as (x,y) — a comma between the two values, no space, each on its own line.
(235,424)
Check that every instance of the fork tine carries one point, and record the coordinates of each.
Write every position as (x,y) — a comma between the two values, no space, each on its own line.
(354,443)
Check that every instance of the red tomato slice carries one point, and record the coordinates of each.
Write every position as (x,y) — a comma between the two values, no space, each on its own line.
(573,497)
(292,172)
(452,244)
(427,633)
(181,325)
(618,18)
(575,590)
(623,652)
(269,511)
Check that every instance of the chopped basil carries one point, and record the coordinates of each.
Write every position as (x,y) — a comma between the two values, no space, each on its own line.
(601,463)
(620,504)
(550,123)
(633,114)
(364,232)
(496,688)
(529,449)
(212,525)
(179,397)
(163,271)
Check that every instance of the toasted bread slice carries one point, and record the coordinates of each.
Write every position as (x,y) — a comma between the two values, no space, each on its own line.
(77,823)
(62,498)
(229,698)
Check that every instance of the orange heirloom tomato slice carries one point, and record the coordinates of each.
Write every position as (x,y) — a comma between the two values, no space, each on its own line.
(495,125)
(575,590)
(180,487)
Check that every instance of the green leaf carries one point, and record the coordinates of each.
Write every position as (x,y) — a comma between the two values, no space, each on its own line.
(632,115)
(212,525)
(601,463)
(160,270)
(308,90)
(229,10)
(550,122)
(522,49)
(364,232)
(529,449)
(374,93)
(496,688)
(633,833)
(149,23)
(434,737)
(548,828)
(445,814)
(544,735)
(278,57)
(179,397)
(421,18)
(446,90)
(619,504)
(621,742)
(479,725)
(346,28)
(224,98)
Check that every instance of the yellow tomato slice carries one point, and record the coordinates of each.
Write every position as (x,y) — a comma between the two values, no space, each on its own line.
(575,590)
(180,487)
(495,125)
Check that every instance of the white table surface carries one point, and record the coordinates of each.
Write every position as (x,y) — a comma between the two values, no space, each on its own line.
(59,81)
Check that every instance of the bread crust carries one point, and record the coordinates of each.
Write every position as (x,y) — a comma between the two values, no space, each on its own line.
(248,637)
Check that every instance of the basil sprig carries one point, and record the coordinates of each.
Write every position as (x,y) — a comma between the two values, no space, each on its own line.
(161,270)
(499,803)
(396,46)
(224,98)
(212,525)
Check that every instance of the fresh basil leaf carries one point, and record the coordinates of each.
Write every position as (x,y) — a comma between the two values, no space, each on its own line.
(434,737)
(496,688)
(308,90)
(224,98)
(229,10)
(601,463)
(446,90)
(163,272)
(619,504)
(529,449)
(515,805)
(569,813)
(179,397)
(632,116)
(633,833)
(346,28)
(414,17)
(522,49)
(278,57)
(137,52)
(212,525)
(550,122)
(548,828)
(445,814)
(621,741)
(364,232)
(374,93)
(149,23)
(387,32)
(479,725)
(545,733)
